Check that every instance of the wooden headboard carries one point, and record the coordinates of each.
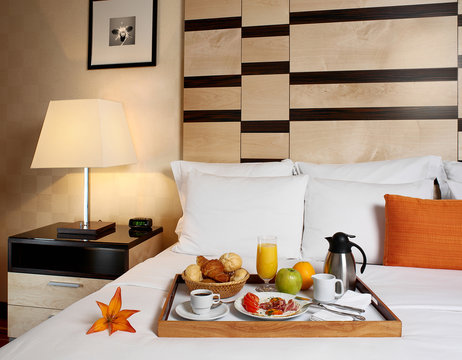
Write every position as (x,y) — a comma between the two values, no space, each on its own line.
(322,81)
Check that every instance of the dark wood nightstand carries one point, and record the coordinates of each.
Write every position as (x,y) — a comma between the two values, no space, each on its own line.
(47,272)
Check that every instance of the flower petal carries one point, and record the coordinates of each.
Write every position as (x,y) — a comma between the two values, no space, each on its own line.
(115,304)
(99,325)
(125,314)
(103,308)
(121,324)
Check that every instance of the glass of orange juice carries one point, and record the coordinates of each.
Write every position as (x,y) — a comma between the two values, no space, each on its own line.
(267,261)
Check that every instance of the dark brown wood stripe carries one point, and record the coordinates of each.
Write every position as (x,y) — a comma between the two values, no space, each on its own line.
(459,124)
(212,115)
(213,24)
(246,160)
(263,31)
(212,81)
(375,113)
(459,20)
(374,13)
(265,68)
(270,126)
(373,76)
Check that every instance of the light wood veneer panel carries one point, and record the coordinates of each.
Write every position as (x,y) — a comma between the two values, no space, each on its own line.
(265,97)
(210,9)
(459,135)
(34,290)
(265,12)
(212,141)
(314,5)
(265,49)
(459,38)
(212,52)
(265,146)
(443,93)
(381,44)
(226,98)
(24,318)
(459,84)
(357,141)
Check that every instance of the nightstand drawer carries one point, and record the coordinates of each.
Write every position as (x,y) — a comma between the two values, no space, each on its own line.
(49,291)
(24,318)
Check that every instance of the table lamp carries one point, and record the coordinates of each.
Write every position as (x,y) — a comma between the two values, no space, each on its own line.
(84,133)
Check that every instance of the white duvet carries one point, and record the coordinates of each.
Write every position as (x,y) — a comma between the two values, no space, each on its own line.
(427,301)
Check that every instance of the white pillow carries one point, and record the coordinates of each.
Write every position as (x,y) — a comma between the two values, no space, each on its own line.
(455,188)
(354,208)
(453,171)
(182,168)
(224,214)
(397,171)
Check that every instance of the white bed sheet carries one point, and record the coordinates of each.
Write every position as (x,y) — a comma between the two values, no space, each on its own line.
(428,302)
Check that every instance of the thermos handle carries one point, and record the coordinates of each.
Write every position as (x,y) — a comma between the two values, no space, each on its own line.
(363,266)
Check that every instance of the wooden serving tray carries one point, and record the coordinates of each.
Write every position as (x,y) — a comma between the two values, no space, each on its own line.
(389,327)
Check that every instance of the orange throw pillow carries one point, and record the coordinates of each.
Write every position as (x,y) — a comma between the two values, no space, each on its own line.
(423,233)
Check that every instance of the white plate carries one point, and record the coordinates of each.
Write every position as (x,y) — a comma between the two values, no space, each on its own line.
(185,311)
(263,296)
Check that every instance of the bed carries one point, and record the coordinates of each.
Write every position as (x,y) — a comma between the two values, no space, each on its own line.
(355,128)
(426,300)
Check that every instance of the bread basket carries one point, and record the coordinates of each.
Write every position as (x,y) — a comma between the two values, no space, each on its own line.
(225,290)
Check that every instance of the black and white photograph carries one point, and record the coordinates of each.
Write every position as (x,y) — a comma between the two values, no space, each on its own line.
(122,33)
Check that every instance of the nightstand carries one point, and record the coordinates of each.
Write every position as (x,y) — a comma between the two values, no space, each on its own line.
(47,272)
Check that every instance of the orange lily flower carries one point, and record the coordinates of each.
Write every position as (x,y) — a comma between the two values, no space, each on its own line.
(113,318)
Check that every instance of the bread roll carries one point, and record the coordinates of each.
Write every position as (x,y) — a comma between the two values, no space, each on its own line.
(193,272)
(239,274)
(231,261)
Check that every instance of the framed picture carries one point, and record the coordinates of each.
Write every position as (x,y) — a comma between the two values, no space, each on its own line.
(122,33)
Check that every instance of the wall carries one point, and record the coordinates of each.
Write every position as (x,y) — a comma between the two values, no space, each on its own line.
(43,57)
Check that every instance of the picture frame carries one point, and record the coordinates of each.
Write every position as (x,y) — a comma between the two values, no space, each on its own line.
(122,33)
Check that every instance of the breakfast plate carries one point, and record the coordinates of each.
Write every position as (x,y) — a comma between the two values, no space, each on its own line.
(265,297)
(185,311)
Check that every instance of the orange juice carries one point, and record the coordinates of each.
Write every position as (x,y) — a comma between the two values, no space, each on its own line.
(267,260)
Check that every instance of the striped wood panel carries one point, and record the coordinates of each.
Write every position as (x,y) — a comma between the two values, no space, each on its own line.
(218,98)
(326,81)
(265,12)
(265,49)
(459,64)
(316,5)
(265,97)
(265,145)
(442,93)
(212,52)
(212,142)
(211,9)
(371,45)
(356,141)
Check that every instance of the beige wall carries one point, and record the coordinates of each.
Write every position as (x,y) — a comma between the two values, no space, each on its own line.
(43,57)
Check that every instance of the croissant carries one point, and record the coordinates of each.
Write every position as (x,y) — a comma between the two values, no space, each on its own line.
(201,261)
(214,269)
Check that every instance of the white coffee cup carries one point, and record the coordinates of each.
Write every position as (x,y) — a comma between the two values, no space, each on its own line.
(324,287)
(202,300)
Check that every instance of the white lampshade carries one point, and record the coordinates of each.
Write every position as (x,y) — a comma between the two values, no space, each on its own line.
(84,133)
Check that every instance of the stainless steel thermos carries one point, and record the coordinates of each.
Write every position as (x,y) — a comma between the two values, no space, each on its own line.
(340,260)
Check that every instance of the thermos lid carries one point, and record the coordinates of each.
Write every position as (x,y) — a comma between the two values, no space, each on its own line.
(340,243)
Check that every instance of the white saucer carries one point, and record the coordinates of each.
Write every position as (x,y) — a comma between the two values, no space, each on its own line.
(185,311)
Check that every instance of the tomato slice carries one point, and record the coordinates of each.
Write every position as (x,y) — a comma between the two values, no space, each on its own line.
(250,302)
(252,297)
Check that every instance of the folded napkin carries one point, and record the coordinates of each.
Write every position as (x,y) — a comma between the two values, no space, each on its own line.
(350,298)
